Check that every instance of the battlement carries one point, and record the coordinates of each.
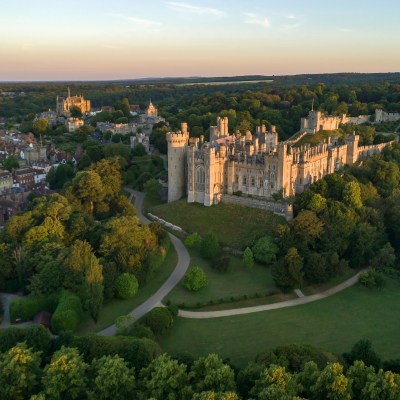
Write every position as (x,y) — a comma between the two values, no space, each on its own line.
(177,138)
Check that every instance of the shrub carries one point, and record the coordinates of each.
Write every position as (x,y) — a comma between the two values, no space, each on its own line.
(221,263)
(126,286)
(372,279)
(195,279)
(68,313)
(265,250)
(209,247)
(193,240)
(159,320)
(25,309)
(248,260)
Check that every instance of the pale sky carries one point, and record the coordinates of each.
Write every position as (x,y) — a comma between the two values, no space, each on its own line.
(121,39)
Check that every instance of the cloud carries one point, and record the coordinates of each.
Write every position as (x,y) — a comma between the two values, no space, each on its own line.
(143,22)
(290,27)
(190,8)
(253,19)
(345,30)
(291,17)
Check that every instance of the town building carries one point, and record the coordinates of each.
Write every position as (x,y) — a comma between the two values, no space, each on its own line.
(74,123)
(6,180)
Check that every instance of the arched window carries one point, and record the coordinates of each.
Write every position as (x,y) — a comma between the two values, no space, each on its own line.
(200,175)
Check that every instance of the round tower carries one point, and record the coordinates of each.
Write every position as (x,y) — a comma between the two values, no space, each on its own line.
(177,171)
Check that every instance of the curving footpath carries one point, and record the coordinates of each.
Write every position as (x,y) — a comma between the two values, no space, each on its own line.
(274,306)
(179,271)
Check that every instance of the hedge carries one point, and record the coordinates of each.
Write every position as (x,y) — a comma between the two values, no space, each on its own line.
(25,309)
(68,313)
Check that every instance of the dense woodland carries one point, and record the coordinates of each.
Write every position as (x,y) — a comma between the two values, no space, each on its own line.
(35,366)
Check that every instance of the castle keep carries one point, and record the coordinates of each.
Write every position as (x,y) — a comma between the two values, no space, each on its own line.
(252,164)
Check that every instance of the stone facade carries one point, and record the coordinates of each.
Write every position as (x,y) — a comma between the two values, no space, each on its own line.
(255,165)
(382,116)
(73,124)
(63,105)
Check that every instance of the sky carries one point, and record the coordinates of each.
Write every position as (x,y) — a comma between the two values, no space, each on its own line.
(127,39)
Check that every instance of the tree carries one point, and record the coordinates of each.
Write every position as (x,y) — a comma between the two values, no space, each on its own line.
(65,376)
(127,243)
(288,272)
(165,378)
(40,127)
(117,150)
(209,247)
(193,240)
(110,174)
(111,378)
(84,276)
(88,188)
(195,279)
(126,286)
(248,259)
(75,112)
(352,195)
(210,373)
(332,384)
(19,372)
(152,188)
(139,150)
(265,250)
(159,320)
(363,351)
(10,163)
(221,262)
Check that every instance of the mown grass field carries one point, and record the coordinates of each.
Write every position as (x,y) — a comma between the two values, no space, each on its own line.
(334,324)
(115,308)
(234,225)
(237,281)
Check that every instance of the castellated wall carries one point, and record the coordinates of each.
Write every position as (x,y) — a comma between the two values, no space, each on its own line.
(382,116)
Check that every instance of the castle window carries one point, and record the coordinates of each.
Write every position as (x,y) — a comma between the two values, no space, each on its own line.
(272,185)
(253,181)
(244,181)
(260,183)
(200,175)
(236,178)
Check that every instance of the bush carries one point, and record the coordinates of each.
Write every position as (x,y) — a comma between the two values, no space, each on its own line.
(126,286)
(195,279)
(159,320)
(68,313)
(193,240)
(25,309)
(265,250)
(209,247)
(221,263)
(248,260)
(372,279)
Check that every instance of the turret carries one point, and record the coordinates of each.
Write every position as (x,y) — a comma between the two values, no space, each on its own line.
(177,148)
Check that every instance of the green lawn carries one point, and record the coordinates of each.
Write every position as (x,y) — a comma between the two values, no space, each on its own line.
(115,308)
(236,282)
(334,324)
(315,138)
(234,225)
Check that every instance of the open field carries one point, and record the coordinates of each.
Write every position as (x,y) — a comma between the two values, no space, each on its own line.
(233,225)
(115,308)
(334,324)
(237,281)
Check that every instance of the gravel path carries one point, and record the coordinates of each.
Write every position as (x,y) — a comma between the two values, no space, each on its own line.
(274,306)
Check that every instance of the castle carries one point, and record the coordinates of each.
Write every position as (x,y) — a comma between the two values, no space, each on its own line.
(63,105)
(256,165)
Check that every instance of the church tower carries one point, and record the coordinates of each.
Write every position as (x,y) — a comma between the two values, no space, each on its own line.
(177,148)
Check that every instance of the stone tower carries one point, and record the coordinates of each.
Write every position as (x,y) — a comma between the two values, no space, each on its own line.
(177,149)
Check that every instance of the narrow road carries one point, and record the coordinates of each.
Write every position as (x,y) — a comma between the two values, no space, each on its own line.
(268,307)
(170,283)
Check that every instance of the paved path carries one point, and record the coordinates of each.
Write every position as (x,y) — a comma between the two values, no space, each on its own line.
(267,307)
(6,299)
(173,280)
